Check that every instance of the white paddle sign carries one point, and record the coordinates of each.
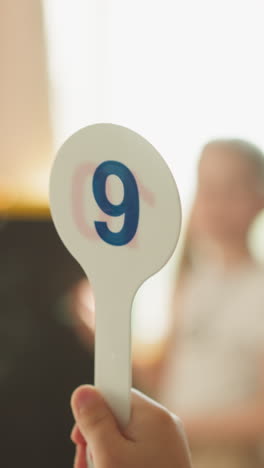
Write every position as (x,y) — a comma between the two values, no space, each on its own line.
(116,207)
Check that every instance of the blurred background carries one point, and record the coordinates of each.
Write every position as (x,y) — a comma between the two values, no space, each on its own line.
(180,74)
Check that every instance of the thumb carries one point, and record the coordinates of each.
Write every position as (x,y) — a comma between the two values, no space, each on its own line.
(95,419)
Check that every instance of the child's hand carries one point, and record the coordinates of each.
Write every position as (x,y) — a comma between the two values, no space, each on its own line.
(154,437)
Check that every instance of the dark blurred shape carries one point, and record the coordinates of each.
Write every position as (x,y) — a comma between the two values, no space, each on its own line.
(41,358)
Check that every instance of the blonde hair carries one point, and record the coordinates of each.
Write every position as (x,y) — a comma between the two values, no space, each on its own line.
(244,149)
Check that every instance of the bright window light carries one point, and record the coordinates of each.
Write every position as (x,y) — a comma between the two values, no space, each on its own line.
(178,72)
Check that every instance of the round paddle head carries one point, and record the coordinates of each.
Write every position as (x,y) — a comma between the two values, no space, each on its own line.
(115,205)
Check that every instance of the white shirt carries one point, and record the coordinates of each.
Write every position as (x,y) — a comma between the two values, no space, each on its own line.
(216,356)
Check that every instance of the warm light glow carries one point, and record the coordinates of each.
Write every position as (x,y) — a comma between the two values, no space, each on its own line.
(38,182)
(29,196)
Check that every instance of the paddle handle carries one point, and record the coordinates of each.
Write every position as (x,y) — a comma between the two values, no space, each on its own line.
(113,366)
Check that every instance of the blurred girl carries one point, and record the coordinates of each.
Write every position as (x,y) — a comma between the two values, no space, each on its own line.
(214,373)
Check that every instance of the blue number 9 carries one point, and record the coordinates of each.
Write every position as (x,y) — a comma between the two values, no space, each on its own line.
(129,206)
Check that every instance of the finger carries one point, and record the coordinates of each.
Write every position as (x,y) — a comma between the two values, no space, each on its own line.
(143,414)
(148,416)
(76,436)
(80,457)
(95,420)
